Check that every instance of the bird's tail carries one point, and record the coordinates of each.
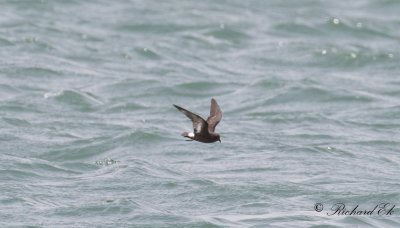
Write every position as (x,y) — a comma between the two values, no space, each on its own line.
(188,135)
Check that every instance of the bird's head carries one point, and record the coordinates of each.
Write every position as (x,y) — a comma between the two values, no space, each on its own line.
(218,137)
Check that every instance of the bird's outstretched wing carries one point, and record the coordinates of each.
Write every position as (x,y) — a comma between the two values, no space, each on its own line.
(215,116)
(200,126)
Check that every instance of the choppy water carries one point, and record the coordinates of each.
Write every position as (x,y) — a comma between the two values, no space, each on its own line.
(310,94)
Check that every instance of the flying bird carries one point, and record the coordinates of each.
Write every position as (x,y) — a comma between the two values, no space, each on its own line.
(203,131)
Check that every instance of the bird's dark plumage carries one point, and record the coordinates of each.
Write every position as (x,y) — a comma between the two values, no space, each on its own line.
(204,130)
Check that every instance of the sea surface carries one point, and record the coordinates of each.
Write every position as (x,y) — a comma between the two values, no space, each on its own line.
(309,90)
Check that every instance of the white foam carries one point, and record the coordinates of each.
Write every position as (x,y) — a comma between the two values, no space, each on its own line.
(50,94)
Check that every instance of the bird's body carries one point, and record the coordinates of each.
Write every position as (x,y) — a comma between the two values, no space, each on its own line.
(203,130)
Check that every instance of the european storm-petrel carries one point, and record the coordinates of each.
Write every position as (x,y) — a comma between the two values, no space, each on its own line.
(203,130)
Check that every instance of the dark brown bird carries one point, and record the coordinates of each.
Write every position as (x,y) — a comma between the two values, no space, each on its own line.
(203,130)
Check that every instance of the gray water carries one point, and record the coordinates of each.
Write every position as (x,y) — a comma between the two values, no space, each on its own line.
(309,90)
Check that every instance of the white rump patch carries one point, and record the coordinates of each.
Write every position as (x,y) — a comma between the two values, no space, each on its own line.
(191,134)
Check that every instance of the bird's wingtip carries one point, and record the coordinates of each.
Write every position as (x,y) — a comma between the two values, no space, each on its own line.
(178,107)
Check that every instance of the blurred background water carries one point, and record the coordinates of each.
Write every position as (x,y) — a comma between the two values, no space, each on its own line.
(310,94)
